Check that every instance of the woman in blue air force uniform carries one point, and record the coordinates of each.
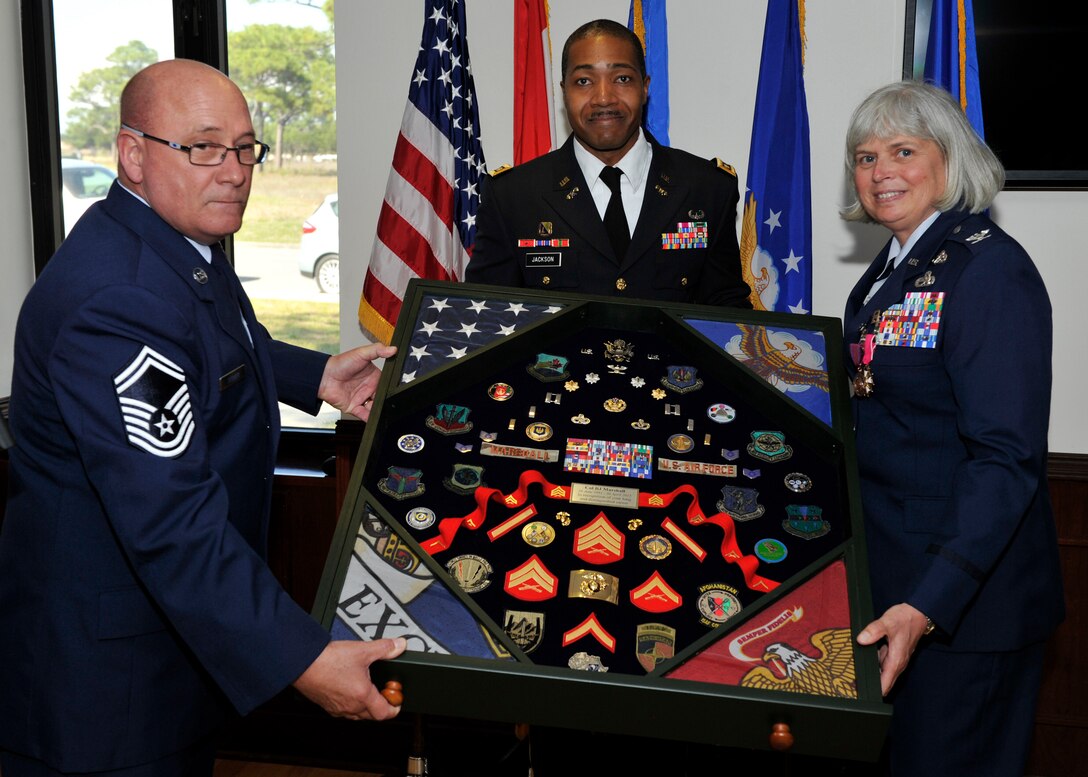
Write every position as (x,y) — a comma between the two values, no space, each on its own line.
(949,331)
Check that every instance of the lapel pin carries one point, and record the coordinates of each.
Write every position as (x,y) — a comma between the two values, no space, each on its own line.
(924,280)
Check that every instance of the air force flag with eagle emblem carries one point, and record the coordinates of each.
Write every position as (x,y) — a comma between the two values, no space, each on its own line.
(155,404)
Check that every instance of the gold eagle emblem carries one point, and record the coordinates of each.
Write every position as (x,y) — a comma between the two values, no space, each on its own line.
(831,673)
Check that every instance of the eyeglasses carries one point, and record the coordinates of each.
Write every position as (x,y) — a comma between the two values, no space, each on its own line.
(212,154)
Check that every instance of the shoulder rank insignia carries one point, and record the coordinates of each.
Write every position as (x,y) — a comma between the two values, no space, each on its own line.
(979,236)
(500,170)
(155,406)
(725,166)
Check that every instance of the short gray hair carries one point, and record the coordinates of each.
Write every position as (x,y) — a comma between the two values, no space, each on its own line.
(974,175)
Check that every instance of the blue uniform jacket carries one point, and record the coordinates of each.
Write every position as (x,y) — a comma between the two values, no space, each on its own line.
(952,444)
(136,607)
(547,199)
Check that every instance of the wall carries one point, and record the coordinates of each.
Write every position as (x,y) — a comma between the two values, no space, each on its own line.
(714,50)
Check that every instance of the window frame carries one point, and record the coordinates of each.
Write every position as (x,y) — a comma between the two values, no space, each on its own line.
(200,33)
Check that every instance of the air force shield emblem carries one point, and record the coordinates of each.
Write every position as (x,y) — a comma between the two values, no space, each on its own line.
(155,406)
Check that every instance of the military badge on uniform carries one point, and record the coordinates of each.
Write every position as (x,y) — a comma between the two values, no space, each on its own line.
(155,404)
(688,234)
(913,323)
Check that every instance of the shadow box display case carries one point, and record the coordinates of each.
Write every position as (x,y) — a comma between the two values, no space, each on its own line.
(569,504)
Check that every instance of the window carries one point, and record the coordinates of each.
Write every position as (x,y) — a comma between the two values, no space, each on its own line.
(288,251)
(80,53)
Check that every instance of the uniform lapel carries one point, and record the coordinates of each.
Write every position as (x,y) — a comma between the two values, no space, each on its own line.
(570,197)
(660,200)
(231,313)
(906,277)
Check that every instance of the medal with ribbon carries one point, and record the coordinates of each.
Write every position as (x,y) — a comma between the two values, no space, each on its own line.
(863,357)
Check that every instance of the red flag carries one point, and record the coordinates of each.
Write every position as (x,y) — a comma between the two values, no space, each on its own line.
(427,225)
(534,105)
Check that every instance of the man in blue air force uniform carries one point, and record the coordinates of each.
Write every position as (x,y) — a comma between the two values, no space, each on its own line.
(136,607)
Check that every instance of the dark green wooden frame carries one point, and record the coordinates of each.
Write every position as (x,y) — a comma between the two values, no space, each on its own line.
(644,706)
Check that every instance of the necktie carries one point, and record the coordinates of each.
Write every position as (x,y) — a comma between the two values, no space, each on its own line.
(887,269)
(615,220)
(231,283)
(879,280)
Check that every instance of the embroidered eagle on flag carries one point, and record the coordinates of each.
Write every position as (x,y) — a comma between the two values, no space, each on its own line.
(788,669)
(155,405)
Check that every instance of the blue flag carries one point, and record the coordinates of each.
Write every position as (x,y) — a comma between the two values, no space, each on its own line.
(647,20)
(951,58)
(776,236)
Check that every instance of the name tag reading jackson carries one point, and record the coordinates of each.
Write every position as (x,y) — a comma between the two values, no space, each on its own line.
(604,496)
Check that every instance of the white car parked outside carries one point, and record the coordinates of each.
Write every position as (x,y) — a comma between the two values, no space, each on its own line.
(319,251)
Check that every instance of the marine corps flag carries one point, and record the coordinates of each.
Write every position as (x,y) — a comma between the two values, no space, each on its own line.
(776,236)
(534,101)
(951,57)
(427,224)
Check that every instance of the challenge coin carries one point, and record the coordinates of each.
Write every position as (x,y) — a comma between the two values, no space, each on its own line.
(500,391)
(420,518)
(410,443)
(721,413)
(680,443)
(538,534)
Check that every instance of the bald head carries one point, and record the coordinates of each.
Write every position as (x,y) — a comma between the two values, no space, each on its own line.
(185,103)
(167,87)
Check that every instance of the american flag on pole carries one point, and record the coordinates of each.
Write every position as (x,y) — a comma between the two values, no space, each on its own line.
(534,101)
(427,224)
